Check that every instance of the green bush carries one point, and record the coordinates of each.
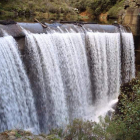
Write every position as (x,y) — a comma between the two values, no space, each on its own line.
(124,124)
(34,6)
(113,12)
(99,6)
(129,111)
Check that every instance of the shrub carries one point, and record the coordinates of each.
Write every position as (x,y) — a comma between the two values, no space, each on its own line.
(124,125)
(113,12)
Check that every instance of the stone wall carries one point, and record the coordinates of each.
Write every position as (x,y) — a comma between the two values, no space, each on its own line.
(130,16)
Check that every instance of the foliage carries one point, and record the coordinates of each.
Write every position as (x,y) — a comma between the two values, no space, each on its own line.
(113,12)
(18,135)
(124,125)
(31,7)
(78,129)
(97,6)
(129,111)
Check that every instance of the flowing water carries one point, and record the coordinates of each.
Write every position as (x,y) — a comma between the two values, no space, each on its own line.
(17,108)
(72,75)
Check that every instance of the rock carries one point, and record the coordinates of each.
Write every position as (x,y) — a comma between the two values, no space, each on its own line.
(28,133)
(131,18)
(11,138)
(40,138)
(138,2)
(5,134)
(21,135)
(133,4)
(43,135)
(3,137)
(12,133)
(126,4)
(29,137)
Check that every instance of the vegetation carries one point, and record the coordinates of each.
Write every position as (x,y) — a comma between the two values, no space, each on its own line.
(113,11)
(97,7)
(124,125)
(51,9)
(59,9)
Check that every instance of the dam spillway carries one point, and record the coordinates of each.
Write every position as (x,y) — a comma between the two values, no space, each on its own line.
(64,72)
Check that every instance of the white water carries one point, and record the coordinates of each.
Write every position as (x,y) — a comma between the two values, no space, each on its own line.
(83,76)
(128,57)
(104,58)
(17,110)
(72,75)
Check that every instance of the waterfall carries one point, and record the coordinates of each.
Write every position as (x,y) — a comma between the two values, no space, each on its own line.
(104,59)
(17,110)
(128,59)
(72,74)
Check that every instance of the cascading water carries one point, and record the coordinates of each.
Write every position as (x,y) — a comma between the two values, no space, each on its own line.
(65,76)
(17,108)
(104,59)
(128,59)
(73,74)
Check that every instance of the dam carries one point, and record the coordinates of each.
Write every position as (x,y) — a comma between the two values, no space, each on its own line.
(50,76)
